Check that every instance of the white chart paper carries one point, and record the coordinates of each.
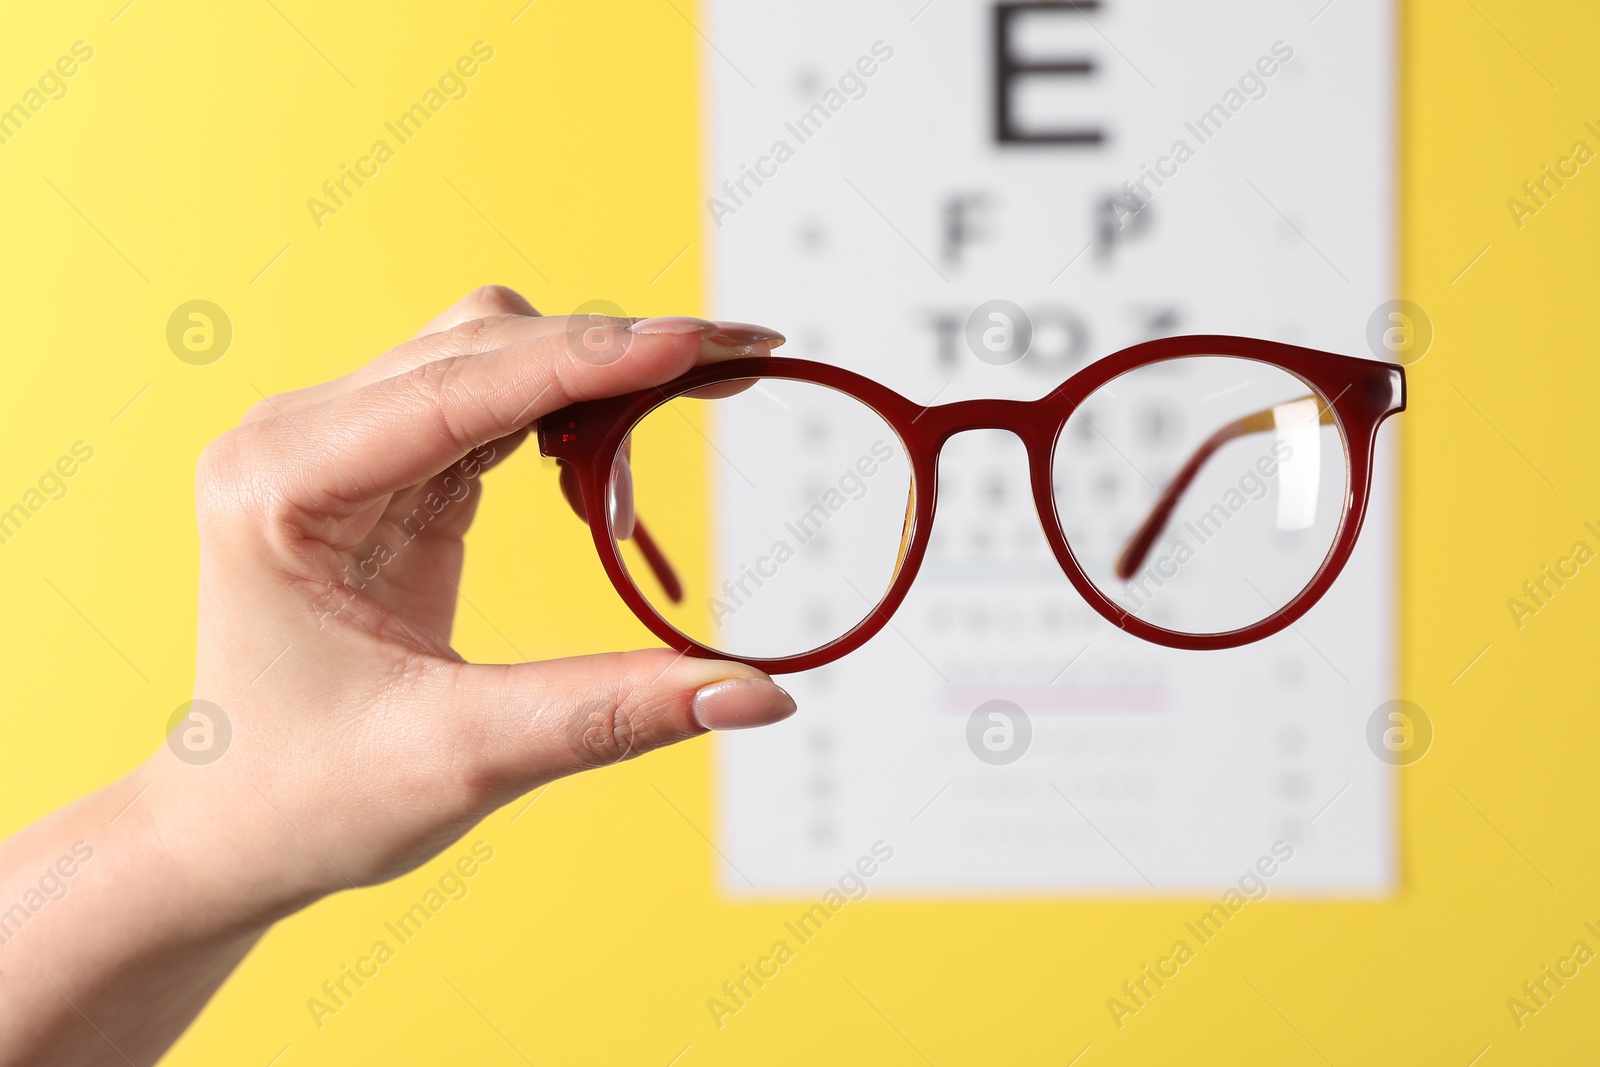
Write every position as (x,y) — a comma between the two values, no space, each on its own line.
(985,157)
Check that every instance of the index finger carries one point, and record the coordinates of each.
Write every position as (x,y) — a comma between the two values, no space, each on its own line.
(340,455)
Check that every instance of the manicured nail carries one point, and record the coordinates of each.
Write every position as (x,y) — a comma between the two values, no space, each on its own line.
(740,703)
(744,334)
(674,324)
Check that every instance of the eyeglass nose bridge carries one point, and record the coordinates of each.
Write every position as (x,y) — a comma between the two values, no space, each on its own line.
(937,424)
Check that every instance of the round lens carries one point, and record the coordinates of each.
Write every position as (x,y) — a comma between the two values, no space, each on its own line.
(1201,494)
(811,497)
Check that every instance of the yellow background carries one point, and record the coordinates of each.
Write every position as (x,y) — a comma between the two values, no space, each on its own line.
(180,163)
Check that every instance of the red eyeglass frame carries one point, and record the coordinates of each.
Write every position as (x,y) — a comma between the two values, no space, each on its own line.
(584,439)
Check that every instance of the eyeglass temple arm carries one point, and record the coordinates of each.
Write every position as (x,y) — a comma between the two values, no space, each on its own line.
(659,565)
(1138,546)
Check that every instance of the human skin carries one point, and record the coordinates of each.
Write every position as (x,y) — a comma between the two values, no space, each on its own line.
(362,743)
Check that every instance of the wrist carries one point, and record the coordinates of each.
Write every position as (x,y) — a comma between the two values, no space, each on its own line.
(162,938)
(222,847)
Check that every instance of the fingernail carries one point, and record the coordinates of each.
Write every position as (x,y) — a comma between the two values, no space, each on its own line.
(673,324)
(740,703)
(742,334)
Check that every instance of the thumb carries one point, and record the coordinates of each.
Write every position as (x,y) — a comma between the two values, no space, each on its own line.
(534,722)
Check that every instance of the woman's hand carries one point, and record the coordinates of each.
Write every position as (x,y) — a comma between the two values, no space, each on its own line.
(331,524)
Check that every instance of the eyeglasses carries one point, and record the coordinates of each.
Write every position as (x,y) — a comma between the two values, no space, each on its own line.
(1199,492)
